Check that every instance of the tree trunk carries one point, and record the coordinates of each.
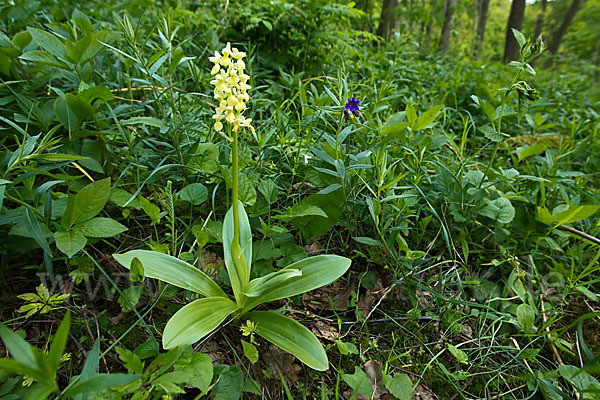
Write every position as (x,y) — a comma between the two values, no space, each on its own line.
(430,23)
(410,16)
(540,21)
(484,6)
(421,24)
(388,21)
(474,25)
(515,20)
(448,23)
(558,36)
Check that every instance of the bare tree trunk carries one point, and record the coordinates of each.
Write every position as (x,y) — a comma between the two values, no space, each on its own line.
(540,21)
(421,23)
(388,21)
(448,23)
(484,6)
(558,36)
(410,16)
(515,20)
(474,25)
(430,23)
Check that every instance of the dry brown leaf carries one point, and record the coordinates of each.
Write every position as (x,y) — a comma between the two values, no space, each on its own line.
(371,298)
(372,369)
(304,186)
(280,361)
(213,351)
(318,299)
(325,331)
(210,263)
(422,393)
(313,249)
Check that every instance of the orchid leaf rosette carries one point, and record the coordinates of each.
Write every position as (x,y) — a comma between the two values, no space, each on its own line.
(200,317)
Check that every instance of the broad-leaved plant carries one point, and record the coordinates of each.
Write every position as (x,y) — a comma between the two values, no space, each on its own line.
(200,317)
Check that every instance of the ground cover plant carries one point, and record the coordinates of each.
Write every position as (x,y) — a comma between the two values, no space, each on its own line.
(299,199)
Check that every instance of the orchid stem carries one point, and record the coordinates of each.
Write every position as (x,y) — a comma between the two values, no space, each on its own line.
(235,188)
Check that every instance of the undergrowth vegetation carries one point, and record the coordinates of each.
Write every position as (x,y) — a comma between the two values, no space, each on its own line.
(465,194)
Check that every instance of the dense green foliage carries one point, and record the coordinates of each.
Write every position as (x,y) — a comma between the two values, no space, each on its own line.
(465,192)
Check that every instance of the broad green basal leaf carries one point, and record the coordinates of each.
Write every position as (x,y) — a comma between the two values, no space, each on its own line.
(291,336)
(196,320)
(262,285)
(237,276)
(316,272)
(172,270)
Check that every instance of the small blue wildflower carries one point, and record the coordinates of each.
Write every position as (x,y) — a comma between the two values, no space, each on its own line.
(352,107)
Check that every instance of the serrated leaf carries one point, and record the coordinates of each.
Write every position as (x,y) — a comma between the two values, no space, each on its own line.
(500,209)
(520,37)
(130,360)
(491,134)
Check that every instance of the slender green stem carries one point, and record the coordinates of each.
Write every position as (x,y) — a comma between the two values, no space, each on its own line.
(235,187)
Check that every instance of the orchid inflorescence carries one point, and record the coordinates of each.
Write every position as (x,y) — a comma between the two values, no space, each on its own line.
(231,88)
